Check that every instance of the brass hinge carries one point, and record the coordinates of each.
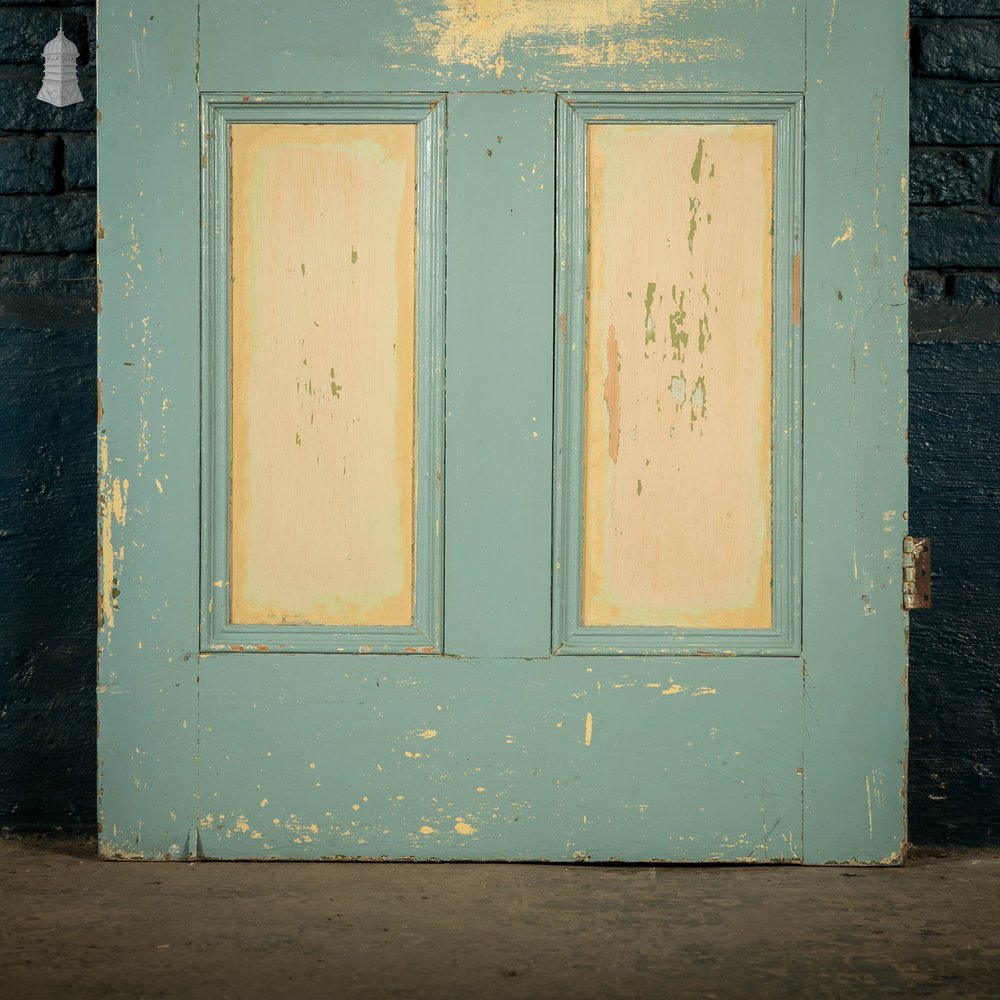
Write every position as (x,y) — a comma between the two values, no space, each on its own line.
(916,573)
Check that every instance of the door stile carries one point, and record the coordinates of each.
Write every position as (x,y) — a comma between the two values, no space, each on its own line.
(854,670)
(147,687)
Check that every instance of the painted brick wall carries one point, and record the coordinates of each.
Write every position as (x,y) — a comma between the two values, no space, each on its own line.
(955,418)
(47,387)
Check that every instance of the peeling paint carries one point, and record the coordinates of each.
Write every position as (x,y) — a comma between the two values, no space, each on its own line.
(696,166)
(113,511)
(846,236)
(693,205)
(490,34)
(650,322)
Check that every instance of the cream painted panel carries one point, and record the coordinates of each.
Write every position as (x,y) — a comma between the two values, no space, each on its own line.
(677,478)
(323,408)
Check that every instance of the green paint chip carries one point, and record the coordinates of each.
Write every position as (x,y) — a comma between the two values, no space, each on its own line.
(650,322)
(694,204)
(696,166)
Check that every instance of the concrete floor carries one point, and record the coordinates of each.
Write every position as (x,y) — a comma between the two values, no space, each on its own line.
(77,927)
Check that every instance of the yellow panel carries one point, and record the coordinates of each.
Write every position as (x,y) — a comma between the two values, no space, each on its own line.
(323,420)
(677,480)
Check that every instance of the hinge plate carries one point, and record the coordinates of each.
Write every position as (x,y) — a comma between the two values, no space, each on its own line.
(916,573)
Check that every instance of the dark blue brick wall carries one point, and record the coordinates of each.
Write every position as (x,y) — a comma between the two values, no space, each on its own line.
(955,418)
(47,415)
(955,647)
(955,169)
(47,411)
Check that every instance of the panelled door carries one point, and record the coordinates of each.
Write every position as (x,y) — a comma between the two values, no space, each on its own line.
(502,450)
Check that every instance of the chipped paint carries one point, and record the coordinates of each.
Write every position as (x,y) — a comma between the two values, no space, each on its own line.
(374,740)
(698,158)
(491,35)
(588,729)
(648,303)
(846,236)
(693,205)
(680,219)
(113,510)
(291,561)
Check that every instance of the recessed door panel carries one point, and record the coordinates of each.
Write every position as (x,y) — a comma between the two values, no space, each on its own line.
(677,439)
(679,442)
(323,415)
(323,330)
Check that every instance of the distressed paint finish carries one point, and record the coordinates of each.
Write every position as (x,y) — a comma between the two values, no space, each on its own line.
(220,112)
(578,115)
(500,750)
(855,498)
(677,449)
(487,33)
(489,45)
(323,422)
(148,236)
(676,768)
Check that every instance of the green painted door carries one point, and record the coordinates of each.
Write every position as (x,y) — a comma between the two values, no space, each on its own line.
(502,450)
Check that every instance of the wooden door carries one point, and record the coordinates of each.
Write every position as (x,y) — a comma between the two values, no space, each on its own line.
(503,439)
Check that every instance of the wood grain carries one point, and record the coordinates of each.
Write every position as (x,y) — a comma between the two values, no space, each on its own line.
(677,480)
(323,408)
